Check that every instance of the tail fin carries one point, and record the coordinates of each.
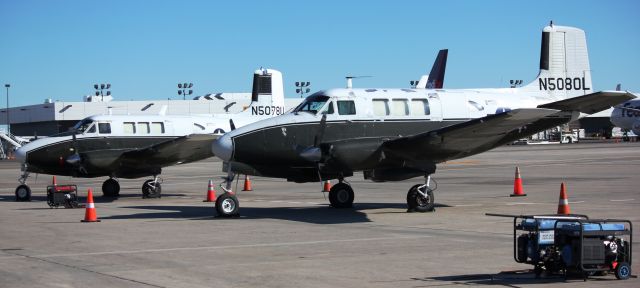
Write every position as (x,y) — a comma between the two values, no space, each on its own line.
(268,88)
(435,79)
(564,64)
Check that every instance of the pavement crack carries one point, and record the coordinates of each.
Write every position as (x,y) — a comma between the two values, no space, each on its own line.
(50,261)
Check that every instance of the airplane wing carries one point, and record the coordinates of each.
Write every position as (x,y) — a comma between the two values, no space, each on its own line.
(184,149)
(471,137)
(590,103)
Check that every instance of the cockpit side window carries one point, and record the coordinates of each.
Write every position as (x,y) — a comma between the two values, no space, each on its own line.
(346,107)
(85,126)
(312,104)
(104,128)
(329,110)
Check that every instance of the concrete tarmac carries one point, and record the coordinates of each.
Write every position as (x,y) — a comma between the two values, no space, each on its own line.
(288,236)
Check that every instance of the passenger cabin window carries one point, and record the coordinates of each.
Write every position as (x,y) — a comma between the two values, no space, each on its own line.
(129,128)
(312,104)
(420,107)
(380,107)
(399,107)
(346,107)
(143,128)
(104,128)
(157,127)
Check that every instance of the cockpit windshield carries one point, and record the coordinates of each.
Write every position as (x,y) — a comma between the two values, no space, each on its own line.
(312,104)
(85,125)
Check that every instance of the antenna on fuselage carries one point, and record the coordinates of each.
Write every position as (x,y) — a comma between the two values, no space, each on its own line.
(350,80)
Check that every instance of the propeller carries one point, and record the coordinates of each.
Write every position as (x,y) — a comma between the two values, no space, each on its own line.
(233,126)
(314,153)
(75,159)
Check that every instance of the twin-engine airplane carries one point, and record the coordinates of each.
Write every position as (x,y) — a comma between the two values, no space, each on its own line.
(134,146)
(397,134)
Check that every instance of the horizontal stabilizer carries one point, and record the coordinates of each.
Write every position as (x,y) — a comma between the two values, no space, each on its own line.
(590,103)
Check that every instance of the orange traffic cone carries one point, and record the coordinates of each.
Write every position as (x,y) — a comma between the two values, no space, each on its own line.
(327,186)
(54,182)
(517,185)
(90,213)
(563,204)
(211,192)
(247,184)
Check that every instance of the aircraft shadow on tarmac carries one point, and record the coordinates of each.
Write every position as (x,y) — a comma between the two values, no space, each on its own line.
(314,215)
(507,278)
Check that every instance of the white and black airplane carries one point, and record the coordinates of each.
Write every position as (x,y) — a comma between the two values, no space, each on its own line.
(397,134)
(627,116)
(134,146)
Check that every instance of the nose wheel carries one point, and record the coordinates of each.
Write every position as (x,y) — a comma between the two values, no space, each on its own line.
(227,205)
(23,193)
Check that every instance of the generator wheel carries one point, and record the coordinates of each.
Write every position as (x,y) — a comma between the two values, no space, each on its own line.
(623,271)
(537,270)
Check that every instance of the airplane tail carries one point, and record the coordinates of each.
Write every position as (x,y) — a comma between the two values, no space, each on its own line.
(564,64)
(435,79)
(268,89)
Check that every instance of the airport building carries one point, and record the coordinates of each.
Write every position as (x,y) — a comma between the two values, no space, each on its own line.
(53,117)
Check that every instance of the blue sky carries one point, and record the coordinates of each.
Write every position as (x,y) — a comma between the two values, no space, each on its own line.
(59,49)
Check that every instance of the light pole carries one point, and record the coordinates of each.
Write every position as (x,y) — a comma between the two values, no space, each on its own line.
(182,89)
(303,87)
(8,125)
(100,90)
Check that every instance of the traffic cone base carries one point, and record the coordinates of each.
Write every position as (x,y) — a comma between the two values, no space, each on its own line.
(517,185)
(563,203)
(90,214)
(327,186)
(247,184)
(211,193)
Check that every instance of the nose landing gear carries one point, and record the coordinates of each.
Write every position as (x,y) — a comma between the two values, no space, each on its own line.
(152,188)
(420,197)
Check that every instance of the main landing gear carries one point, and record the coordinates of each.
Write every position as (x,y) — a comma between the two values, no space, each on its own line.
(341,195)
(420,197)
(152,188)
(111,188)
(23,192)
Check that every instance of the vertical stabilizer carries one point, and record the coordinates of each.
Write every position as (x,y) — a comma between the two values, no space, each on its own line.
(564,64)
(268,88)
(435,79)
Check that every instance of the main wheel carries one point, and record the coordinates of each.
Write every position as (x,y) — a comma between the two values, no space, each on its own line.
(341,196)
(111,188)
(151,190)
(419,203)
(227,205)
(23,193)
(623,271)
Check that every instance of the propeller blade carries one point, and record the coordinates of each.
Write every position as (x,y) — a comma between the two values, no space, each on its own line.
(233,126)
(320,135)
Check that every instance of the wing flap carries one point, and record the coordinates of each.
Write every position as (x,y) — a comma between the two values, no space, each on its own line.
(590,103)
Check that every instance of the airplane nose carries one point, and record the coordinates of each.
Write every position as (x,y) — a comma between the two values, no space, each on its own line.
(223,148)
(21,154)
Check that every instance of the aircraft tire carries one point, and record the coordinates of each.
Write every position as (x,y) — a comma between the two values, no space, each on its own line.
(23,193)
(149,192)
(227,205)
(417,203)
(341,196)
(110,188)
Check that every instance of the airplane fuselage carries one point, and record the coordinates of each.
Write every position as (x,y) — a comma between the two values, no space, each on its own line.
(357,122)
